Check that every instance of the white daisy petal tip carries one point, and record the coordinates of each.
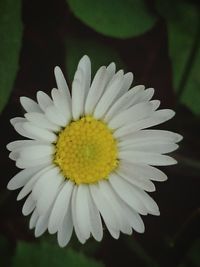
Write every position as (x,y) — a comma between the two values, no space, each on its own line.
(76,143)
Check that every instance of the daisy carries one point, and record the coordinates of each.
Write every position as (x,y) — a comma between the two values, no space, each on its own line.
(88,158)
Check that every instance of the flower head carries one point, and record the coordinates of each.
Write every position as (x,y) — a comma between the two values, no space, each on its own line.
(88,158)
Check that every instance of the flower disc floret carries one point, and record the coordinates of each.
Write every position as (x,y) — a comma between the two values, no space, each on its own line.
(86,151)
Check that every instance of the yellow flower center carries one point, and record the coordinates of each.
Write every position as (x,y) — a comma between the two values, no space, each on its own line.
(86,151)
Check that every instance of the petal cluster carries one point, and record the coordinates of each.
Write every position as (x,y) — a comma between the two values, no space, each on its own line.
(59,205)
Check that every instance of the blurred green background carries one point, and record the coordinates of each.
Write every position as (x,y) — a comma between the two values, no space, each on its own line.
(159,42)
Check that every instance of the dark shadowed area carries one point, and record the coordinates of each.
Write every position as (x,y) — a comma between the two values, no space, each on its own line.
(54,35)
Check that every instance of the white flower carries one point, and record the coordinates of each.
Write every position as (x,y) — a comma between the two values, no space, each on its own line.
(88,157)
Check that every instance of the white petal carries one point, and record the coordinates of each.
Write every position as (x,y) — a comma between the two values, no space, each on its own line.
(49,194)
(54,115)
(157,117)
(21,178)
(133,218)
(126,172)
(154,159)
(29,105)
(27,163)
(33,219)
(109,96)
(65,230)
(78,94)
(149,136)
(29,185)
(15,120)
(133,114)
(61,104)
(137,96)
(85,65)
(60,207)
(126,192)
(44,100)
(80,86)
(110,71)
(144,171)
(106,210)
(28,206)
(39,133)
(112,198)
(96,90)
(82,210)
(149,203)
(79,235)
(15,145)
(14,155)
(147,94)
(19,128)
(122,103)
(42,182)
(62,86)
(37,151)
(41,225)
(128,79)
(155,104)
(40,120)
(95,219)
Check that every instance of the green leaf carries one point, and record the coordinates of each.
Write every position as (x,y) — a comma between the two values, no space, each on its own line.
(10,36)
(121,19)
(50,255)
(99,53)
(183,27)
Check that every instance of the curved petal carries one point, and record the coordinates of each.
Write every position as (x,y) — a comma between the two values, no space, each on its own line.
(112,198)
(82,210)
(33,220)
(61,105)
(133,114)
(65,230)
(30,184)
(80,86)
(39,133)
(29,105)
(62,86)
(126,192)
(109,95)
(49,193)
(29,206)
(154,159)
(79,235)
(157,117)
(21,178)
(41,121)
(44,100)
(95,219)
(60,207)
(96,90)
(106,210)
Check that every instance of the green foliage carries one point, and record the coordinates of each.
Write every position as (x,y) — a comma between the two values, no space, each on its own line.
(183,27)
(121,19)
(50,255)
(10,36)
(99,53)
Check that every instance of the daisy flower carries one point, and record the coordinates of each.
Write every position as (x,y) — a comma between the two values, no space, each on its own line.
(88,158)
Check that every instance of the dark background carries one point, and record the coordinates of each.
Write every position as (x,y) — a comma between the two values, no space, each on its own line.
(169,238)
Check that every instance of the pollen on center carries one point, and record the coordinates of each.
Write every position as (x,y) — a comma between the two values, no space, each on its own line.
(86,151)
